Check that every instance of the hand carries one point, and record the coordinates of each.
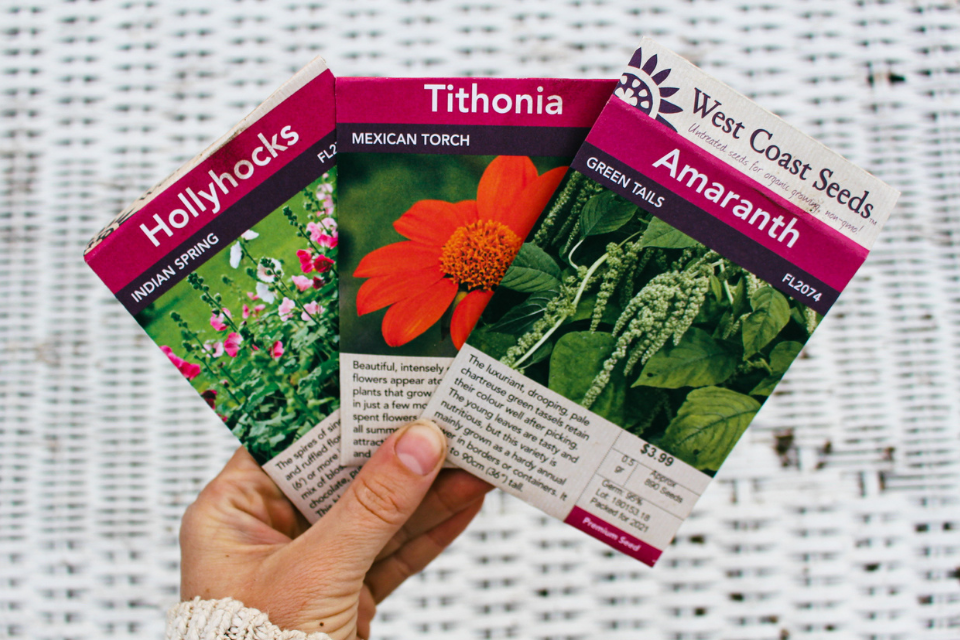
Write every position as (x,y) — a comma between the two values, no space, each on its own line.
(244,540)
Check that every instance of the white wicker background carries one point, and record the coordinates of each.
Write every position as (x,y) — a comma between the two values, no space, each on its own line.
(838,515)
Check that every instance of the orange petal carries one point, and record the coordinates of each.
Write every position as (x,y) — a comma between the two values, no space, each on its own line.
(397,257)
(531,202)
(501,184)
(409,318)
(466,314)
(467,212)
(377,293)
(429,222)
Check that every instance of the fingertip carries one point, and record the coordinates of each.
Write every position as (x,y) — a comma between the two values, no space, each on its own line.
(421,447)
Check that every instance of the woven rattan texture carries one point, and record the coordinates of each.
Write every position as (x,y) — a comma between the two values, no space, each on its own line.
(838,515)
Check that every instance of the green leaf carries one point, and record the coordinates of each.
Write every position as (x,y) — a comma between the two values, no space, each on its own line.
(716,288)
(708,425)
(797,316)
(711,312)
(532,270)
(739,298)
(520,318)
(491,343)
(771,313)
(783,355)
(542,353)
(662,235)
(643,405)
(766,386)
(604,213)
(698,361)
(576,360)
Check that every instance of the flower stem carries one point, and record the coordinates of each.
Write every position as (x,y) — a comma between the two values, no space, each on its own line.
(570,255)
(573,309)
(198,347)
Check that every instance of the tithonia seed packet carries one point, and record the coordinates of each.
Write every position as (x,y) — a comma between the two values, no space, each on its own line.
(229,265)
(688,255)
(441,179)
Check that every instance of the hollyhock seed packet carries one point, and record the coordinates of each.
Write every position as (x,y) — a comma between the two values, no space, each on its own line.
(441,179)
(229,265)
(685,260)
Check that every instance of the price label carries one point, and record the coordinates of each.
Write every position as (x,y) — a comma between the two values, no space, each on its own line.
(662,457)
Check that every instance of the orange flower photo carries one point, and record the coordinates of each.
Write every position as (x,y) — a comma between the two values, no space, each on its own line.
(455,253)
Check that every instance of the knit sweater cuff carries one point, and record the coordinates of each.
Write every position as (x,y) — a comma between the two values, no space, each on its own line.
(226,619)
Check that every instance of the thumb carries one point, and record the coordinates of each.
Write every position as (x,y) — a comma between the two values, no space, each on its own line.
(380,499)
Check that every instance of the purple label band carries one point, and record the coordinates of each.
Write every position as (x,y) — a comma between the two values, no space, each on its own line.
(612,536)
(225,178)
(227,227)
(524,102)
(706,229)
(754,211)
(472,140)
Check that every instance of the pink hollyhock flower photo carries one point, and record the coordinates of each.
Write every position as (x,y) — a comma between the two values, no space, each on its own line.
(322,264)
(326,241)
(319,235)
(255,311)
(311,309)
(232,344)
(188,369)
(302,282)
(285,310)
(213,348)
(276,350)
(309,262)
(306,260)
(218,321)
(328,224)
(210,395)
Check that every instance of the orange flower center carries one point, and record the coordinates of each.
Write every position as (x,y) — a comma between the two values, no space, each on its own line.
(478,254)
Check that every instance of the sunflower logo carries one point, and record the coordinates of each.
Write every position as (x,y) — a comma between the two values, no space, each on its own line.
(640,87)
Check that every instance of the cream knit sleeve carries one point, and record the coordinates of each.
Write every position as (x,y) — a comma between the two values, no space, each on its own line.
(226,619)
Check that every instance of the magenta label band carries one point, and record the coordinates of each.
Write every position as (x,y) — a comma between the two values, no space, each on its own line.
(202,245)
(613,536)
(691,174)
(472,101)
(710,230)
(214,185)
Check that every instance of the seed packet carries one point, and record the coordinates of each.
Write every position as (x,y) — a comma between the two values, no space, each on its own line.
(686,258)
(229,265)
(441,179)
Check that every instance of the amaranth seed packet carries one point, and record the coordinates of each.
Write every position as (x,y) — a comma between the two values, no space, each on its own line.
(229,265)
(440,182)
(688,255)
